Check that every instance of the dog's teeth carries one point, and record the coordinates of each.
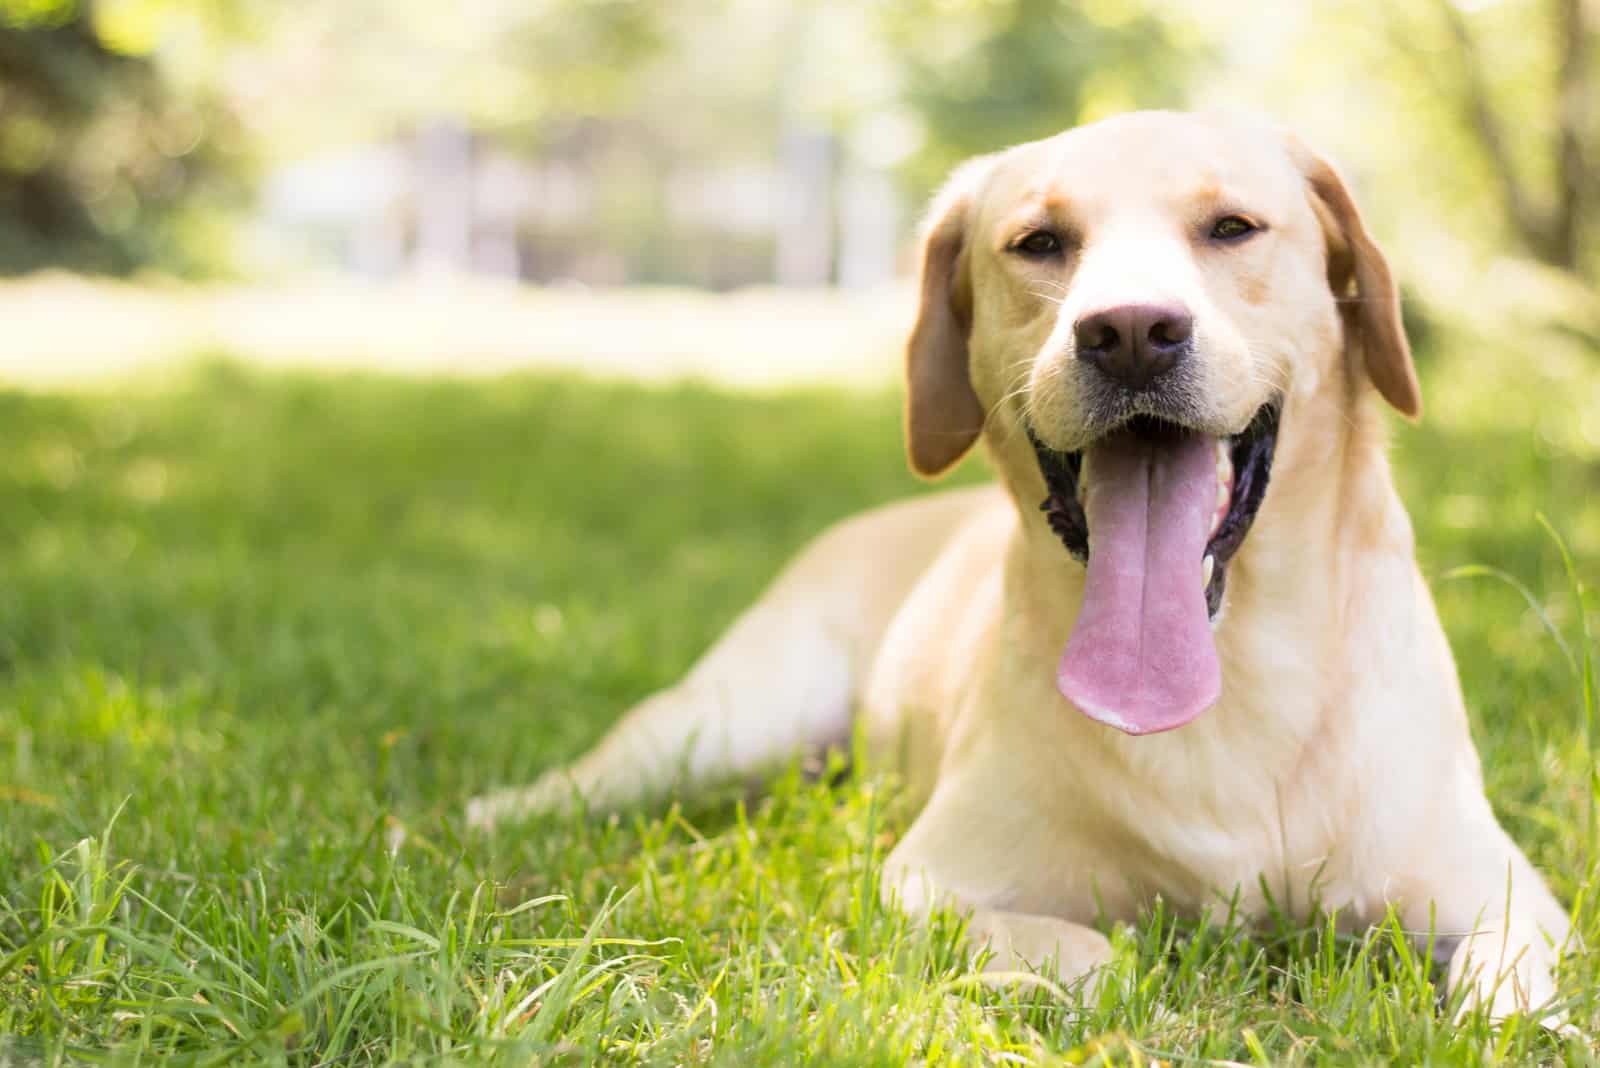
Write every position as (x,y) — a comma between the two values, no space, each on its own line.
(1207,566)
(1224,486)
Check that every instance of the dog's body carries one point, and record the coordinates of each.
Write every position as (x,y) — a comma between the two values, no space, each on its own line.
(1332,765)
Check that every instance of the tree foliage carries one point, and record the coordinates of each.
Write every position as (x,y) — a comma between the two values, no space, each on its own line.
(1519,84)
(984,74)
(102,167)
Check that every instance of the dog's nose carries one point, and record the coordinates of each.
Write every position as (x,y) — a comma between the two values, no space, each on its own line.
(1134,344)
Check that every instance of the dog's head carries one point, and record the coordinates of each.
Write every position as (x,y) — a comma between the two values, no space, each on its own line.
(1136,300)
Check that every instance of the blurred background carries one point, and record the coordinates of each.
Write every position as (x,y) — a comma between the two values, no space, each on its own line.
(494,183)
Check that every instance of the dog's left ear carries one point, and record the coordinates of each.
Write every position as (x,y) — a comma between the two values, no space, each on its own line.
(1358,273)
(943,413)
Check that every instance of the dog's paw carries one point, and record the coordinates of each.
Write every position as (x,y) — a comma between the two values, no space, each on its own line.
(1527,989)
(1022,944)
(552,792)
(485,811)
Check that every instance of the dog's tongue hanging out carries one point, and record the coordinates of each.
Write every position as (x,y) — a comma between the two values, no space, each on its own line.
(1141,656)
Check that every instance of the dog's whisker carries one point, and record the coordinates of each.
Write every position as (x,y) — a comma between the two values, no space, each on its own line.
(1021,388)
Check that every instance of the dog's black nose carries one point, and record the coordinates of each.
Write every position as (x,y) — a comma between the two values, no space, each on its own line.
(1134,344)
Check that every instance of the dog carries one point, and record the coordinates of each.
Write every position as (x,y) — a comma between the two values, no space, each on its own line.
(1183,647)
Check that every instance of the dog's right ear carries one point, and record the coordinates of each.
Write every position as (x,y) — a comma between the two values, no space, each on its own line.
(943,415)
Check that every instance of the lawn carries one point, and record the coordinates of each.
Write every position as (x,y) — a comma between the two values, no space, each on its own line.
(263,634)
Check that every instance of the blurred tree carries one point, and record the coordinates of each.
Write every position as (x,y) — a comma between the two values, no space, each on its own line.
(319,75)
(99,162)
(1537,144)
(983,74)
(130,129)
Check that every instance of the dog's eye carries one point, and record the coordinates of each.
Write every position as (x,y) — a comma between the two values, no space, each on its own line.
(1039,243)
(1232,228)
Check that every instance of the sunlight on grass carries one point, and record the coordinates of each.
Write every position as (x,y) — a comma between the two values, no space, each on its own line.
(62,329)
(263,634)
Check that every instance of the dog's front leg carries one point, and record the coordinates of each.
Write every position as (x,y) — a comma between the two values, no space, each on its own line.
(1477,892)
(1026,942)
(782,680)
(977,859)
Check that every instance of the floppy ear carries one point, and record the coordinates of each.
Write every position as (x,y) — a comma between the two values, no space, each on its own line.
(943,414)
(1357,269)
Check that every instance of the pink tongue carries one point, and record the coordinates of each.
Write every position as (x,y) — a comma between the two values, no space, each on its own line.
(1141,658)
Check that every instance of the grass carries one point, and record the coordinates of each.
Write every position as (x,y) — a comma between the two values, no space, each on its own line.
(261,636)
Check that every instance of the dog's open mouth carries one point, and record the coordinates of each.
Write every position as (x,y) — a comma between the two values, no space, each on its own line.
(1156,512)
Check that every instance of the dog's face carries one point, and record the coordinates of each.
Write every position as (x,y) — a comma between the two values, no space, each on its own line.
(1138,299)
(1150,266)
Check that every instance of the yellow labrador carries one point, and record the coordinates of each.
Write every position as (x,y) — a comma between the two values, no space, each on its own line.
(1206,665)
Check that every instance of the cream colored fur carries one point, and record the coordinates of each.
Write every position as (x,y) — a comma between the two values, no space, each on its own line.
(1336,771)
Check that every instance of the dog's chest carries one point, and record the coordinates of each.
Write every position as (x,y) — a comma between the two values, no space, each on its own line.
(1221,807)
(1215,816)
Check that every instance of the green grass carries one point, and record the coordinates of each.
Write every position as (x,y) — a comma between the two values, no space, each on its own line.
(262,636)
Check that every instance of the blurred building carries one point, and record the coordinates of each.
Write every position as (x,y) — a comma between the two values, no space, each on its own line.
(603,202)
